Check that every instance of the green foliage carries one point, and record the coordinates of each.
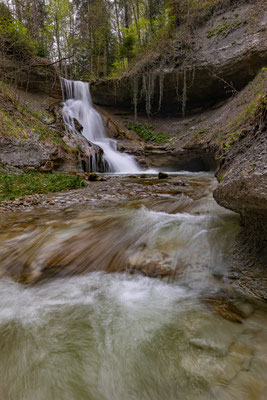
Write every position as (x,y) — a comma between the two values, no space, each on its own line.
(227,146)
(225,28)
(196,6)
(42,50)
(118,67)
(15,37)
(127,48)
(146,132)
(199,132)
(25,124)
(13,186)
(141,34)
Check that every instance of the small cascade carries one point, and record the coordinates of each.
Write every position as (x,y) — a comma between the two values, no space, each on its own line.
(77,105)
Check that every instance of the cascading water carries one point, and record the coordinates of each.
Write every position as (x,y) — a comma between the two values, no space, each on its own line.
(122,335)
(78,105)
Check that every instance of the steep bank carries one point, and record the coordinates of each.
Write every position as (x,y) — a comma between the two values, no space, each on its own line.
(211,56)
(32,133)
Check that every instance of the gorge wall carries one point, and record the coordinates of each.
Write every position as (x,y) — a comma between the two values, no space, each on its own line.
(204,63)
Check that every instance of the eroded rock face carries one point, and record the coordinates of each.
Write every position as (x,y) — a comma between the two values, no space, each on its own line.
(34,74)
(222,57)
(243,189)
(85,152)
(243,173)
(31,153)
(174,158)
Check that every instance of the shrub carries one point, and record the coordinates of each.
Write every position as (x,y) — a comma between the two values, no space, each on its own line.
(147,134)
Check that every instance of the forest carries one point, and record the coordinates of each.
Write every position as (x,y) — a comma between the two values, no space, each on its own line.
(93,39)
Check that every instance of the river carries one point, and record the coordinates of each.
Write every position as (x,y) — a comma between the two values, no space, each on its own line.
(128,299)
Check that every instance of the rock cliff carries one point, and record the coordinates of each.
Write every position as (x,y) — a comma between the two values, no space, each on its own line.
(203,64)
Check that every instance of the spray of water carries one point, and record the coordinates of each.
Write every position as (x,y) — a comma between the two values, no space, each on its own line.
(78,105)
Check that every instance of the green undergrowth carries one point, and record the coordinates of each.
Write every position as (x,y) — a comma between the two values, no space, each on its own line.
(14,36)
(19,121)
(146,132)
(247,109)
(13,186)
(225,28)
(256,103)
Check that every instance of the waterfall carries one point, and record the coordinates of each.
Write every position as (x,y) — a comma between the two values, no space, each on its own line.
(77,104)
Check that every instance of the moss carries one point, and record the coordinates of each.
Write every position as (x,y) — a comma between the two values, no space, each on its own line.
(14,186)
(199,132)
(146,132)
(255,101)
(22,122)
(225,28)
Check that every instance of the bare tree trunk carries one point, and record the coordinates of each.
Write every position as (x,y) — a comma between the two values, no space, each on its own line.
(118,21)
(105,62)
(18,5)
(127,15)
(58,43)
(136,22)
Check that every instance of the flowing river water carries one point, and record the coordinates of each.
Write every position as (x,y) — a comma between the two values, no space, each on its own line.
(126,297)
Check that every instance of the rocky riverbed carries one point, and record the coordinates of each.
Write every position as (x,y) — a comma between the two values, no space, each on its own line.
(128,280)
(174,194)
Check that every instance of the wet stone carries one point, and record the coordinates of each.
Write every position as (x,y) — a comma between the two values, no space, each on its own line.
(48,167)
(225,308)
(163,175)
(92,177)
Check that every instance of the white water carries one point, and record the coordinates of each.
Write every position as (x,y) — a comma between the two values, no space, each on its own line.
(78,104)
(118,336)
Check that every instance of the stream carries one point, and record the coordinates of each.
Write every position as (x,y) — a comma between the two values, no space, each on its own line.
(126,297)
(121,291)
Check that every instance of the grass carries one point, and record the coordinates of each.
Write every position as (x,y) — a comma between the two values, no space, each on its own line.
(225,28)
(13,186)
(21,122)
(146,132)
(199,132)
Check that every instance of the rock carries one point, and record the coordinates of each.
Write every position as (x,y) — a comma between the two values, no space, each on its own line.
(153,270)
(243,189)
(221,65)
(92,177)
(28,169)
(163,175)
(49,120)
(48,167)
(224,307)
(85,153)
(78,126)
(37,75)
(143,176)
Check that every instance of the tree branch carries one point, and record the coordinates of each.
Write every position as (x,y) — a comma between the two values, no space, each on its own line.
(53,63)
